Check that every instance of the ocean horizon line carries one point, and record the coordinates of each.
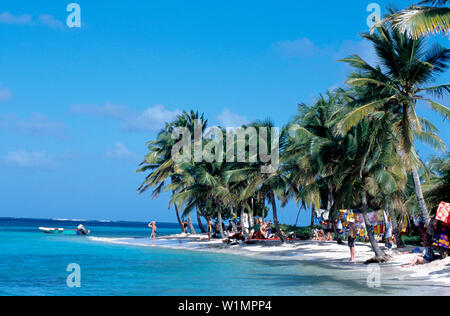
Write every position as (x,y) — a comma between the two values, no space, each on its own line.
(79,220)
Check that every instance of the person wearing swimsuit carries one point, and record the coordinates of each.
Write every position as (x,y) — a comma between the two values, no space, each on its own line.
(152,225)
(210,228)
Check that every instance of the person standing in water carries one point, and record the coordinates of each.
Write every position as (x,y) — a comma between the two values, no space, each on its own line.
(152,225)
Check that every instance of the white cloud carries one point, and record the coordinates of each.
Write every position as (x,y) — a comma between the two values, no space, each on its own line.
(24,159)
(362,48)
(121,152)
(151,119)
(302,47)
(27,19)
(49,20)
(8,18)
(36,125)
(305,48)
(229,119)
(108,110)
(5,94)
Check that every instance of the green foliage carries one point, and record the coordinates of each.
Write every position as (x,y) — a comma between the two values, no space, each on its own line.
(348,142)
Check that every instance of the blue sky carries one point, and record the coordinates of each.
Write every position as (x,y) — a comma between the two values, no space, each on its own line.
(78,105)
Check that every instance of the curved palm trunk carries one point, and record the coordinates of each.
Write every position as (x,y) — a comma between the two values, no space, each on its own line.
(179,219)
(330,203)
(275,219)
(250,216)
(419,194)
(379,254)
(395,230)
(200,224)
(296,220)
(311,226)
(191,227)
(219,218)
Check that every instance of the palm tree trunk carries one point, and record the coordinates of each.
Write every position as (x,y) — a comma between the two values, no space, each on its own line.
(199,220)
(395,230)
(419,194)
(250,216)
(179,219)
(330,199)
(191,227)
(296,220)
(219,219)
(275,219)
(379,254)
(330,203)
(311,226)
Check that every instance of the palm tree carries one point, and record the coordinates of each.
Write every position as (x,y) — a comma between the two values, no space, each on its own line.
(371,169)
(204,183)
(267,186)
(437,188)
(398,82)
(313,151)
(159,160)
(430,17)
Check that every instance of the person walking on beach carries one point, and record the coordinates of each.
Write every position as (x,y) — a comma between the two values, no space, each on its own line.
(209,228)
(152,225)
(351,240)
(185,226)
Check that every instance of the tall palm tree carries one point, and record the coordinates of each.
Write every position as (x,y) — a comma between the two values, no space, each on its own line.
(204,183)
(267,186)
(437,188)
(159,161)
(399,82)
(429,17)
(312,153)
(370,169)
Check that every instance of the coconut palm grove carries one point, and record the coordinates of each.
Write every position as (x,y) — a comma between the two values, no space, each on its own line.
(354,148)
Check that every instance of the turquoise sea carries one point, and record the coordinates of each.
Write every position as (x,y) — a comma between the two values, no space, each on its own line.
(33,263)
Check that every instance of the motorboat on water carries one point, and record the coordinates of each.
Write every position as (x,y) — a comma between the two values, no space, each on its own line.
(80,230)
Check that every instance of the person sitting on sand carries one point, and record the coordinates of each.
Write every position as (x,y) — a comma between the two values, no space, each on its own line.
(425,257)
(152,225)
(265,230)
(257,230)
(269,231)
(320,235)
(282,233)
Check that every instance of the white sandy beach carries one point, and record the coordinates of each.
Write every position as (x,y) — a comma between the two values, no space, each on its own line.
(437,272)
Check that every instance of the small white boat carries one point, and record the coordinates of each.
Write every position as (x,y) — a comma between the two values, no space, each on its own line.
(48,230)
(80,231)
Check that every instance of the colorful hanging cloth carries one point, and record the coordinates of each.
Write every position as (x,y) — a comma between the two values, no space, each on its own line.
(441,239)
(443,212)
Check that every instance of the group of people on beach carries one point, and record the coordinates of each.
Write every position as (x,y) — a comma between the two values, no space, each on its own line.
(263,230)
(244,231)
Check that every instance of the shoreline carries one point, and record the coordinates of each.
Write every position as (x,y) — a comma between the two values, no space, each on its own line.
(321,252)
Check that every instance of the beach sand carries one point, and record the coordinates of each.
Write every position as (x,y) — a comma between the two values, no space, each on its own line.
(329,253)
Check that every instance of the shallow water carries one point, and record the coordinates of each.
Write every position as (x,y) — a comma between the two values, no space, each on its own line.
(33,263)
